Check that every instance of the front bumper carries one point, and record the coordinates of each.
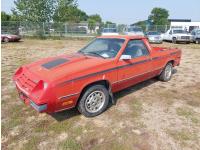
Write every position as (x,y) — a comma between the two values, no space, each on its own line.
(155,41)
(39,108)
(183,40)
(28,101)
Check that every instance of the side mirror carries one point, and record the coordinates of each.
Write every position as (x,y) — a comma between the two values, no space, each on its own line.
(125,57)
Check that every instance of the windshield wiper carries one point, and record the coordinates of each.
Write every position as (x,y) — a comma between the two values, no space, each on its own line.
(94,53)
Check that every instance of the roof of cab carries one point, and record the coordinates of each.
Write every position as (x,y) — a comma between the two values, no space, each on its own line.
(122,36)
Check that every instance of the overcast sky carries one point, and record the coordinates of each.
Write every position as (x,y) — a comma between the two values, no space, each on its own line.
(130,11)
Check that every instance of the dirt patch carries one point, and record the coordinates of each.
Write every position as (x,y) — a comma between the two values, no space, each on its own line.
(151,115)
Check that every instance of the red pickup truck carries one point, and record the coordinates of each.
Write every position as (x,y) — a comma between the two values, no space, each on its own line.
(88,78)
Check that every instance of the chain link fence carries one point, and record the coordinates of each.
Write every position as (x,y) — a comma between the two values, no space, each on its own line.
(67,29)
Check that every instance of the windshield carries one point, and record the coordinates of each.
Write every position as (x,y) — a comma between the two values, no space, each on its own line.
(153,33)
(103,47)
(179,31)
(109,30)
(134,29)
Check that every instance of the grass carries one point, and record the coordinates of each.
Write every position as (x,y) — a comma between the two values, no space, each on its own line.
(78,130)
(69,144)
(31,144)
(136,108)
(183,135)
(187,113)
(58,37)
(59,127)
(166,96)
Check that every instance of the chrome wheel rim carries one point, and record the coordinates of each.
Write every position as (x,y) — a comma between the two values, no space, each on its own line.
(168,71)
(95,101)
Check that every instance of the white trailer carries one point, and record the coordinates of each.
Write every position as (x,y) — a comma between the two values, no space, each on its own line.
(189,26)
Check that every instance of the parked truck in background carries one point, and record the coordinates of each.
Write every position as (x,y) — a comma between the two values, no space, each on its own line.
(196,36)
(177,35)
(134,30)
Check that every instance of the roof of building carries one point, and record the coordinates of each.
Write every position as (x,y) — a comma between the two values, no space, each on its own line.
(179,20)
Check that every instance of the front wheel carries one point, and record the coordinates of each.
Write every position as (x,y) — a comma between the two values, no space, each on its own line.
(6,40)
(94,101)
(174,40)
(166,74)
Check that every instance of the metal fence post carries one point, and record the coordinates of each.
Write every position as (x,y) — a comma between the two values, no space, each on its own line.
(43,28)
(65,28)
(165,28)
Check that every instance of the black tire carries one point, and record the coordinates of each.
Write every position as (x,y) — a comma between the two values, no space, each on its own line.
(6,40)
(174,40)
(187,42)
(82,103)
(197,41)
(163,76)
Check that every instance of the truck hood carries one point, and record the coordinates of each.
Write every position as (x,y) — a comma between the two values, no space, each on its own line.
(178,34)
(66,66)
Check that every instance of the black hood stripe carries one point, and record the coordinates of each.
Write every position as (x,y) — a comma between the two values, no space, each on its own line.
(54,63)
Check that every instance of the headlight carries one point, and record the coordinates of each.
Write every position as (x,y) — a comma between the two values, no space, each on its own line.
(19,71)
(39,88)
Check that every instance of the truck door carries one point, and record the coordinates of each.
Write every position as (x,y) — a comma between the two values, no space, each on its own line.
(169,35)
(136,69)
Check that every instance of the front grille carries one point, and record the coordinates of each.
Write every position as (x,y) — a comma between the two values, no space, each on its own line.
(25,82)
(185,37)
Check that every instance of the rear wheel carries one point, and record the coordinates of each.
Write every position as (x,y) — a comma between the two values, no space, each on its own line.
(94,101)
(166,74)
(197,41)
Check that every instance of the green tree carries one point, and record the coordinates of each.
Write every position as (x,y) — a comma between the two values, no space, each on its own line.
(159,16)
(91,24)
(5,16)
(109,24)
(93,20)
(65,13)
(9,23)
(96,18)
(35,10)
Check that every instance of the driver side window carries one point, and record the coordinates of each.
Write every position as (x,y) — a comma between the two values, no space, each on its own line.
(136,48)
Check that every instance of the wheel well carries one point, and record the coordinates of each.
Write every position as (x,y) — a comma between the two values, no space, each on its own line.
(100,82)
(171,61)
